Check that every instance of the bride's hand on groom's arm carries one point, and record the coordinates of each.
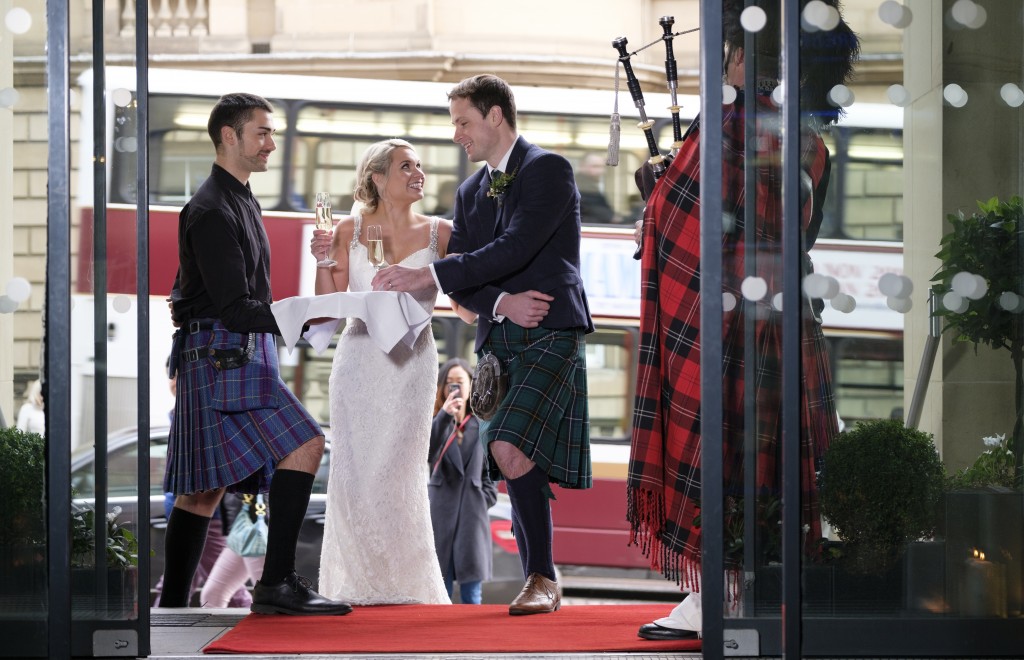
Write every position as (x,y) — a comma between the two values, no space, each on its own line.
(463,313)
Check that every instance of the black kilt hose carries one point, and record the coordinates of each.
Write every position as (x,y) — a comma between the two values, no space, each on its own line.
(545,412)
(231,427)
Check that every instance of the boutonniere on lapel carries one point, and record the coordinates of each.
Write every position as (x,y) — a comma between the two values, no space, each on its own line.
(500,185)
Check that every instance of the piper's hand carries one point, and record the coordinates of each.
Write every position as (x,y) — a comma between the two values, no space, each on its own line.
(526,309)
(638,230)
(320,244)
(402,278)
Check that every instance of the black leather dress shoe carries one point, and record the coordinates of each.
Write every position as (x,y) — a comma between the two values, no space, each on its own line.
(294,595)
(654,631)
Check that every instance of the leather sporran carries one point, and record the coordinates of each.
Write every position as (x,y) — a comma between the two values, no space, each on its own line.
(490,385)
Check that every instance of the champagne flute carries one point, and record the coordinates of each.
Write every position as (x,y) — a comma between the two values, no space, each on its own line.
(325,222)
(375,246)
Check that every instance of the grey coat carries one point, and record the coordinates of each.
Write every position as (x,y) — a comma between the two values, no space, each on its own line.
(460,495)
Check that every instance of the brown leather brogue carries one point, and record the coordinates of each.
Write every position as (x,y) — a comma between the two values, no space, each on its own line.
(539,596)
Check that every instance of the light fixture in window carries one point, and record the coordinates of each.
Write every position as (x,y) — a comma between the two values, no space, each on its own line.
(8,97)
(18,289)
(18,20)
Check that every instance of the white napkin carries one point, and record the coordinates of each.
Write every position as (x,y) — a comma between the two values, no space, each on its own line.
(390,317)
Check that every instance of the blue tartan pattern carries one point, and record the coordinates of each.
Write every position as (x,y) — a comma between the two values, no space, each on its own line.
(231,428)
(545,412)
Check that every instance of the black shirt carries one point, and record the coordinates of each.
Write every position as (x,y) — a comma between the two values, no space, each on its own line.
(223,258)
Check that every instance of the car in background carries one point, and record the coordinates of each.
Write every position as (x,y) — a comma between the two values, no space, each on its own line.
(122,489)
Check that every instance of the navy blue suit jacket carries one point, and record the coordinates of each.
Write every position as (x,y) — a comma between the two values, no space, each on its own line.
(530,239)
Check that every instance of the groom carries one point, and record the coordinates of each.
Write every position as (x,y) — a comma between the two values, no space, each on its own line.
(517,229)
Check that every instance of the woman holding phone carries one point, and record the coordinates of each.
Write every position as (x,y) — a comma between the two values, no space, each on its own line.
(460,490)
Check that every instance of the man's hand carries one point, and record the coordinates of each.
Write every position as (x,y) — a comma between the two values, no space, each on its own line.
(526,309)
(401,278)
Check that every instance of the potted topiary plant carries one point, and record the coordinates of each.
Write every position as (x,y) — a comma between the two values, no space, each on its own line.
(880,488)
(981,258)
(120,562)
(984,513)
(22,513)
(984,501)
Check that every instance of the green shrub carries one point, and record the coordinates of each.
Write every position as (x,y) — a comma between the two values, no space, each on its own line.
(881,486)
(22,487)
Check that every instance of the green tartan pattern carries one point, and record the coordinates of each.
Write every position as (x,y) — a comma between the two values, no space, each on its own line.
(545,412)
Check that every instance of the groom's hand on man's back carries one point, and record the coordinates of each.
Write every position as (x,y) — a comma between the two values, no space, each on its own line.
(526,309)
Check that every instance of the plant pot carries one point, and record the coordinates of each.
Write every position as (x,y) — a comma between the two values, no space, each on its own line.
(816,585)
(120,600)
(924,578)
(22,572)
(992,522)
(859,594)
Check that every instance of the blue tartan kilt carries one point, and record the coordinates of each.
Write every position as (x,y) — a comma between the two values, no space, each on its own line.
(231,427)
(545,411)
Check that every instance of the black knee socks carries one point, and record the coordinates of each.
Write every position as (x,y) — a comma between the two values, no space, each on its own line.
(529,496)
(520,537)
(183,546)
(289,497)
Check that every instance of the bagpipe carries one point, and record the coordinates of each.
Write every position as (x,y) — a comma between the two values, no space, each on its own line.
(652,170)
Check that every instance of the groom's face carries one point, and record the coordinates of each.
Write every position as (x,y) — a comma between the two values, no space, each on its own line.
(475,133)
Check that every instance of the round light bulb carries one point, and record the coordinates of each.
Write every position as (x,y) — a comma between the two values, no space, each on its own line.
(964,284)
(901,305)
(954,302)
(898,95)
(8,97)
(753,19)
(18,20)
(18,289)
(122,304)
(754,288)
(121,97)
(815,285)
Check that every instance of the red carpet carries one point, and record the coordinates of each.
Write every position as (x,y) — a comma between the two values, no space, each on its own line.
(451,629)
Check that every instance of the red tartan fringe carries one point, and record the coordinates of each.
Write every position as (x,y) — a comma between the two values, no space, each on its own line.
(645,511)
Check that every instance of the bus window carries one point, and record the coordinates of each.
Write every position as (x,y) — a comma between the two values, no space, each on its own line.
(868,372)
(185,158)
(610,377)
(330,141)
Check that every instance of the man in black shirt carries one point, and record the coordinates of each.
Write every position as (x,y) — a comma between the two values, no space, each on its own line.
(236,427)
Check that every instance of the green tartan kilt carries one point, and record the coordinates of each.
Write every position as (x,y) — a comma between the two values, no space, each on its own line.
(545,412)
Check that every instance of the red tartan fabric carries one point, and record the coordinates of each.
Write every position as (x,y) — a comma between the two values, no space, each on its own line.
(664,481)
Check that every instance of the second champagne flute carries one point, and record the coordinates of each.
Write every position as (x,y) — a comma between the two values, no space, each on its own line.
(375,246)
(326,222)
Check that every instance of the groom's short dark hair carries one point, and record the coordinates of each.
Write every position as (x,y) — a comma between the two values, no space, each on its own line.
(486,91)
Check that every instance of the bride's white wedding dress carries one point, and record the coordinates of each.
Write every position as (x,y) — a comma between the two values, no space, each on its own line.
(378,542)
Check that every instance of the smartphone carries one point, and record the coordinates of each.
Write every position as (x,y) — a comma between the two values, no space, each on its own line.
(454,388)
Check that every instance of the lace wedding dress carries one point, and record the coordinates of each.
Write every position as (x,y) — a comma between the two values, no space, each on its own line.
(378,542)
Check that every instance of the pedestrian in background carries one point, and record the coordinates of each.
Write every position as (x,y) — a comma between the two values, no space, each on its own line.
(461,492)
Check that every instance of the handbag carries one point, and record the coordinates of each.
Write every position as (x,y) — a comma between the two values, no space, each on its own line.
(249,538)
(490,385)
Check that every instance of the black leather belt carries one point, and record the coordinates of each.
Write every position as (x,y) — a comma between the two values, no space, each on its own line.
(199,326)
(223,358)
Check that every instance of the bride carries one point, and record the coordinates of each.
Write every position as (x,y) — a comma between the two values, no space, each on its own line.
(378,542)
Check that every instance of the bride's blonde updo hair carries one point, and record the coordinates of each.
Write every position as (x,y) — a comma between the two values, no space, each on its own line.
(376,160)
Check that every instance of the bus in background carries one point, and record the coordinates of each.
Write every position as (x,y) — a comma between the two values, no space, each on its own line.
(325,124)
